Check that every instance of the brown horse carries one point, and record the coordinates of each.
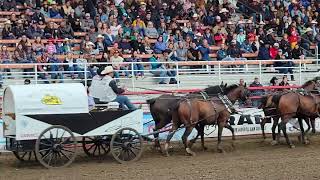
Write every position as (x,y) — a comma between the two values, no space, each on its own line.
(295,105)
(270,110)
(192,112)
(161,107)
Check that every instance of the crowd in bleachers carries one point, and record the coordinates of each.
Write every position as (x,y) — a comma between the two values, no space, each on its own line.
(117,31)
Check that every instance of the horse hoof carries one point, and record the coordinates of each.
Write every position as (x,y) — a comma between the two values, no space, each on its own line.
(292,146)
(299,138)
(189,152)
(204,148)
(273,143)
(220,151)
(306,142)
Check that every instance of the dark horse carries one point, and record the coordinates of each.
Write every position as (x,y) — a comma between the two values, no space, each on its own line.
(162,106)
(192,112)
(270,109)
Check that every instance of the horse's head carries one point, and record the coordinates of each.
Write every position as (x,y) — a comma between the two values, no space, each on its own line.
(235,92)
(312,85)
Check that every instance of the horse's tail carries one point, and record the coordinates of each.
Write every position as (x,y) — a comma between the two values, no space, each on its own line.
(151,103)
(264,101)
(276,99)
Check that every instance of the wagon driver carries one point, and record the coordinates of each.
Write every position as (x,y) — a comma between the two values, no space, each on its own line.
(104,89)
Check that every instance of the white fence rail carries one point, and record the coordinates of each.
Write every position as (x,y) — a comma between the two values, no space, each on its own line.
(187,74)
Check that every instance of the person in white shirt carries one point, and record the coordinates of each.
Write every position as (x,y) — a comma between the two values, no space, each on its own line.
(116,61)
(104,89)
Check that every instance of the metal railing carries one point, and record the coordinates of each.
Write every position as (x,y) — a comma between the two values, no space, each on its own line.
(186,73)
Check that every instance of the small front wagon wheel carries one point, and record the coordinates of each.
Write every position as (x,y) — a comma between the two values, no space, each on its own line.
(56,147)
(126,145)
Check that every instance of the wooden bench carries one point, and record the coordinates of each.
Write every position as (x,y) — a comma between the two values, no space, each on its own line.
(8,13)
(15,41)
(16,66)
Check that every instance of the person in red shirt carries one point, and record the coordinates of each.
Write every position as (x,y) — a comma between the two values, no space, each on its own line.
(294,37)
(274,50)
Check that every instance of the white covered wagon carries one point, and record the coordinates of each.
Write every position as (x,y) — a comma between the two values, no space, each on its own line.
(49,120)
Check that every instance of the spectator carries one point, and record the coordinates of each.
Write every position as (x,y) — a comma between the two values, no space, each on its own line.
(87,22)
(274,51)
(55,11)
(137,67)
(109,39)
(81,61)
(38,16)
(306,40)
(72,67)
(158,69)
(7,30)
(51,47)
(65,31)
(34,31)
(160,45)
(117,64)
(42,69)
(19,30)
(93,34)
(257,92)
(297,52)
(20,55)
(181,54)
(264,52)
(284,82)
(284,67)
(205,50)
(193,53)
(150,31)
(217,38)
(233,51)
(138,25)
(222,52)
(55,69)
(274,81)
(241,37)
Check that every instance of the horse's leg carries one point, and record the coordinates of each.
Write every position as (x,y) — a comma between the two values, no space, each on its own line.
(302,131)
(312,120)
(202,137)
(282,126)
(185,135)
(220,129)
(228,126)
(275,137)
(169,137)
(262,124)
(158,126)
(307,120)
(198,128)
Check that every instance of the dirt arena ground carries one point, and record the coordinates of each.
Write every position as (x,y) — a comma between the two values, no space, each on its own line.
(252,159)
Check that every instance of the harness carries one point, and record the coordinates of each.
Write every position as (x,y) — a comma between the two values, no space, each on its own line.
(204,95)
(226,102)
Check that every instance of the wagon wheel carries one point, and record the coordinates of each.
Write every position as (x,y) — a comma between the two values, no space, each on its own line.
(126,145)
(96,146)
(25,156)
(56,147)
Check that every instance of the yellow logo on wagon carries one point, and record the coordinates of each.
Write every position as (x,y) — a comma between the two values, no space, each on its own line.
(51,100)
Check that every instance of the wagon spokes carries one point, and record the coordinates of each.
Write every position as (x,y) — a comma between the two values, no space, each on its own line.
(55,150)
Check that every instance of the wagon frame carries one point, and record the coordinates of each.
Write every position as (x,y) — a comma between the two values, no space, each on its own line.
(46,122)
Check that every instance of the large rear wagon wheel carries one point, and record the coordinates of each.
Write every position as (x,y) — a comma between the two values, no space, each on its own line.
(56,147)
(126,145)
(96,146)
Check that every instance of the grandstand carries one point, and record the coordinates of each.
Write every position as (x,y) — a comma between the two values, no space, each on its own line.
(200,42)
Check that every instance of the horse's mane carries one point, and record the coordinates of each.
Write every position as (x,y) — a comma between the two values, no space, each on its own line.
(214,90)
(308,83)
(230,88)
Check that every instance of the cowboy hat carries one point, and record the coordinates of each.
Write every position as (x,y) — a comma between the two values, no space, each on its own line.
(107,70)
(90,44)
(276,44)
(7,22)
(262,23)
(270,31)
(314,22)
(53,3)
(195,15)
(100,36)
(230,23)
(223,10)
(198,34)
(308,29)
